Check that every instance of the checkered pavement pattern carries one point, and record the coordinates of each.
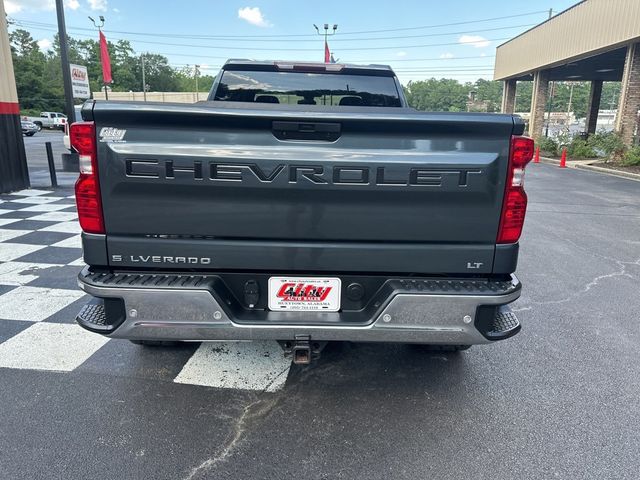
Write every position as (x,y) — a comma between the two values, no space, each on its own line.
(40,258)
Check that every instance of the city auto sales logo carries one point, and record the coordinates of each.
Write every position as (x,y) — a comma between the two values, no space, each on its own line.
(111,134)
(78,75)
(303,292)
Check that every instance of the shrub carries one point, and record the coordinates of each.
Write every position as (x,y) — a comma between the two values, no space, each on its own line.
(607,144)
(548,145)
(563,139)
(631,156)
(30,112)
(579,148)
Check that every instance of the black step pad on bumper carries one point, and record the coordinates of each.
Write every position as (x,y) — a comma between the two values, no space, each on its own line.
(102,315)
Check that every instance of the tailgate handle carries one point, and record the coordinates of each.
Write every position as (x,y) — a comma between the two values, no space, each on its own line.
(322,131)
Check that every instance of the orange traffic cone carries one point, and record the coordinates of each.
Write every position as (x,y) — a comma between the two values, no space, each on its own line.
(563,158)
(536,159)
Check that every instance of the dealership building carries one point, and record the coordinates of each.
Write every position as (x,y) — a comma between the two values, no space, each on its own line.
(595,41)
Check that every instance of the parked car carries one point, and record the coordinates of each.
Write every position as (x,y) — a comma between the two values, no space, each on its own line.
(53,120)
(302,203)
(29,128)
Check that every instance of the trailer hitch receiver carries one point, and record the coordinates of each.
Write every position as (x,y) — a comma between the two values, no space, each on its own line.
(302,350)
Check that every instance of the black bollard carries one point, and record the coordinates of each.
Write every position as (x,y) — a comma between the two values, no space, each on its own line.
(52,167)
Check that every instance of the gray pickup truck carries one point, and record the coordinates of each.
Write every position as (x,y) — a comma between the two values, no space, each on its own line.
(302,203)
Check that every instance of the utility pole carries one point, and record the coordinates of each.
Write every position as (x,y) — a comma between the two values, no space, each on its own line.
(99,27)
(550,12)
(552,89)
(326,31)
(144,80)
(64,60)
(569,105)
(197,71)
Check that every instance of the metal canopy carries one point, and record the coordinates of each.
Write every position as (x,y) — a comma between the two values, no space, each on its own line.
(607,67)
(585,42)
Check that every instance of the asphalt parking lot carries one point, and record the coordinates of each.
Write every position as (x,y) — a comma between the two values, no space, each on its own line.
(36,152)
(559,400)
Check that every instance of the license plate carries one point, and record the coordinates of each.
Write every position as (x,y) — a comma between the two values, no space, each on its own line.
(304,294)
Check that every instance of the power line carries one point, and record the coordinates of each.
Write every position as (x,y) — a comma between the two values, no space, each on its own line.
(238,37)
(459,69)
(446,24)
(391,60)
(435,58)
(253,49)
(44,26)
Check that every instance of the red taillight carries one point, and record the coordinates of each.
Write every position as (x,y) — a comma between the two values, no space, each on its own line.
(514,206)
(82,137)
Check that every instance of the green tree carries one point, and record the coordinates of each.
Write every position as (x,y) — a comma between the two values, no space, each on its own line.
(524,91)
(123,69)
(443,95)
(489,91)
(447,95)
(562,93)
(158,74)
(187,81)
(29,64)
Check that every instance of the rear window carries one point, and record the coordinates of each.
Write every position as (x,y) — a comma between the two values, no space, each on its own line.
(301,88)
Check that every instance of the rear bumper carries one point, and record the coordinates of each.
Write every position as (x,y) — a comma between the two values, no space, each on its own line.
(194,308)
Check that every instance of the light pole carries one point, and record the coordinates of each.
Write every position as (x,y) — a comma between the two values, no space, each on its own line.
(570,100)
(144,81)
(552,88)
(326,35)
(64,59)
(99,27)
(197,71)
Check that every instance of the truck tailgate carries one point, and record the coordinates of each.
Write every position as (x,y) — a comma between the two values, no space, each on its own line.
(309,189)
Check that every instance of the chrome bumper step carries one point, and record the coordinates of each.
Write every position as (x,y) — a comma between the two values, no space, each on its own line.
(197,308)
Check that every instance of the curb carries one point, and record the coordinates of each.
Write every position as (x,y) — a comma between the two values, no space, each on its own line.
(610,171)
(585,165)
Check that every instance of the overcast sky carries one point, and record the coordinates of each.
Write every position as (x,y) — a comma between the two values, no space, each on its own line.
(418,38)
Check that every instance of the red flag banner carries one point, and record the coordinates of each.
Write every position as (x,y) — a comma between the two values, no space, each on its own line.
(327,53)
(104,58)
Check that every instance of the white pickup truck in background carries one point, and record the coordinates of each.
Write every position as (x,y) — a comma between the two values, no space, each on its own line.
(53,120)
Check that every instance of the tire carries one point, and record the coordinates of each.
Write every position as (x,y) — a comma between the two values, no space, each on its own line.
(31,134)
(445,348)
(154,343)
(39,125)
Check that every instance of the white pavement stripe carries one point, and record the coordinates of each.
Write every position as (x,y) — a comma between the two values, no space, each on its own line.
(50,346)
(63,227)
(78,262)
(11,251)
(3,212)
(34,304)
(37,200)
(6,234)
(44,207)
(55,217)
(32,192)
(7,221)
(72,242)
(21,273)
(243,365)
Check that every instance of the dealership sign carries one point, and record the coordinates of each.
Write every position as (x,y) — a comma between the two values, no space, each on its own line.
(80,81)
